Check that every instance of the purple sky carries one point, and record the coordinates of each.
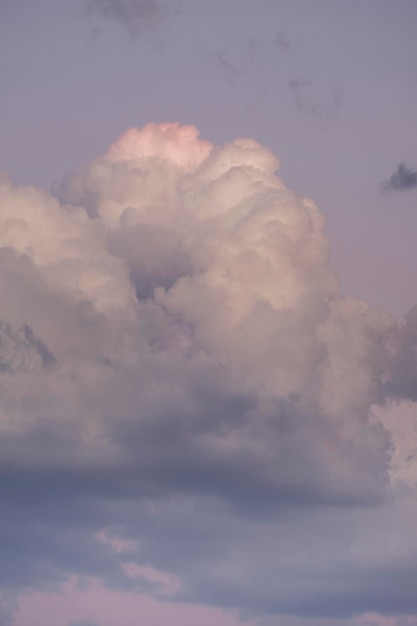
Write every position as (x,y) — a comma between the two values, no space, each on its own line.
(209,384)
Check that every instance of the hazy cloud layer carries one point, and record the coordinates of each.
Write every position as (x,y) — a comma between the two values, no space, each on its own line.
(184,388)
(403,179)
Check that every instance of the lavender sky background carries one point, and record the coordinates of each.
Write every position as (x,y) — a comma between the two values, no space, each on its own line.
(198,426)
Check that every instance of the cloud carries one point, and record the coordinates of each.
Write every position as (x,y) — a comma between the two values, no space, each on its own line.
(181,373)
(404,178)
(311,99)
(21,351)
(403,381)
(282,42)
(132,14)
(231,71)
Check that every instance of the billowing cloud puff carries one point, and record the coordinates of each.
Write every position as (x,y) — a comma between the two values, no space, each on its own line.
(179,370)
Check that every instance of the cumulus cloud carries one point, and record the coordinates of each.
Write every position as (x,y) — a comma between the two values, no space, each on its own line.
(182,374)
(403,179)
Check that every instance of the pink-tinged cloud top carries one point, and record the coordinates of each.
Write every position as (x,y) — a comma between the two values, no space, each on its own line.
(180,145)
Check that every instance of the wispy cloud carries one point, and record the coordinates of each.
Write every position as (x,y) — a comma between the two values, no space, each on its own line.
(134,15)
(282,42)
(230,70)
(311,99)
(403,179)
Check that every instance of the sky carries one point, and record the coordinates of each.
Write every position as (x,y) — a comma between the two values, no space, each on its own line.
(208,321)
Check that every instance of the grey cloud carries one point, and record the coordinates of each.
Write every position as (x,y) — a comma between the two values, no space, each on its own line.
(230,70)
(20,350)
(403,380)
(282,42)
(257,63)
(321,104)
(404,178)
(132,14)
